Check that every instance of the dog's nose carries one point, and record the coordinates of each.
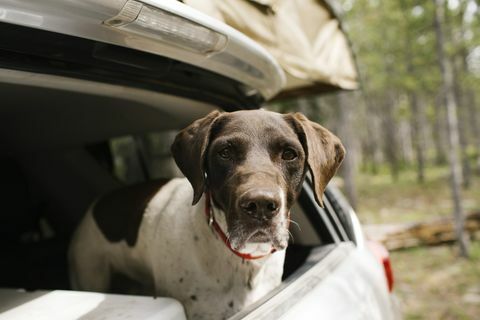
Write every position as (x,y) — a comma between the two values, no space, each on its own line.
(260,204)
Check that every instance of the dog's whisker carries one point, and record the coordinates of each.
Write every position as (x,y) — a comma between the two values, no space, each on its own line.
(295,223)
(291,236)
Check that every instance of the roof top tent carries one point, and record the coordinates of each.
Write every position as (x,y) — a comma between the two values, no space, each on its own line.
(305,36)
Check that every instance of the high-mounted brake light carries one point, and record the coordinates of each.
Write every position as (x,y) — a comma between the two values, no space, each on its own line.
(167,27)
(381,253)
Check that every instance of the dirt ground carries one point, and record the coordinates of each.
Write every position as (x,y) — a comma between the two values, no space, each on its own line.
(431,282)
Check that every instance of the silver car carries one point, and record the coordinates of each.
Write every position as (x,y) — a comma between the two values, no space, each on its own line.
(92,92)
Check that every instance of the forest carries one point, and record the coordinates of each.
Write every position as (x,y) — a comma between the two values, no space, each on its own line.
(418,105)
(412,134)
(406,51)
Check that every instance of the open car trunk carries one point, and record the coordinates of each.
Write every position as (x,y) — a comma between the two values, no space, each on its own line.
(81,117)
(305,37)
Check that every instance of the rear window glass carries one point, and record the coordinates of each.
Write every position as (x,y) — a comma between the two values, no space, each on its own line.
(140,158)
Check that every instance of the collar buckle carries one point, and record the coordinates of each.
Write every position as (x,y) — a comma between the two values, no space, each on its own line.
(210,218)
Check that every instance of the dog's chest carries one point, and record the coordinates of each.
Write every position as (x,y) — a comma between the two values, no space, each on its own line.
(189,261)
(218,290)
(186,260)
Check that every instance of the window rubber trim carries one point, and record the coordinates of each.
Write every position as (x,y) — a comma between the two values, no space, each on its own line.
(338,225)
(318,217)
(343,211)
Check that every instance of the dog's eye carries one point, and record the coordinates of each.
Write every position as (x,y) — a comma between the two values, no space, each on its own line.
(289,154)
(225,153)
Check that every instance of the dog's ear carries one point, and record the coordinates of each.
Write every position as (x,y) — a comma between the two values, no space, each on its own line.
(324,151)
(189,150)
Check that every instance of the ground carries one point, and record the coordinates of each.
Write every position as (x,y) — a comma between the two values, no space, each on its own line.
(431,282)
(383,201)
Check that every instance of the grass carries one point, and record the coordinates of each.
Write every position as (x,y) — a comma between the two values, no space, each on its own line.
(383,201)
(431,282)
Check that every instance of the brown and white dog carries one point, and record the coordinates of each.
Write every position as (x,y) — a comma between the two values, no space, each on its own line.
(227,250)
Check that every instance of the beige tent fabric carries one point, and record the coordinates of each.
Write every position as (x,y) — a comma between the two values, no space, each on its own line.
(303,35)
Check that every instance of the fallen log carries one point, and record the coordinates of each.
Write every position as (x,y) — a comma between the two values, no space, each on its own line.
(434,232)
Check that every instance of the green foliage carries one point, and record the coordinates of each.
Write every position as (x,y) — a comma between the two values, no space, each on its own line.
(398,58)
(389,35)
(396,50)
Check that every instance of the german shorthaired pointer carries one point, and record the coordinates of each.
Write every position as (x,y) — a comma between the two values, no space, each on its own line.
(227,250)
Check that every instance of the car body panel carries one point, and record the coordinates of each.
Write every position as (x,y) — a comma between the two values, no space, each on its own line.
(354,290)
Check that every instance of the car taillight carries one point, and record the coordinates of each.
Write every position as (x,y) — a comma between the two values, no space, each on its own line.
(381,253)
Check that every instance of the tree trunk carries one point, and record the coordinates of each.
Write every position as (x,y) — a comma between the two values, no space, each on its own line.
(345,132)
(458,62)
(474,124)
(304,106)
(372,144)
(390,130)
(462,130)
(452,128)
(439,129)
(389,123)
(418,123)
(468,102)
(417,119)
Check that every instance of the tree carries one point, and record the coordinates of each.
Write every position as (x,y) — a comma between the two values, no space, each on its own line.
(346,117)
(417,114)
(452,127)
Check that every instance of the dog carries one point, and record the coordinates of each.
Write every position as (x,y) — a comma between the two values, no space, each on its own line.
(243,171)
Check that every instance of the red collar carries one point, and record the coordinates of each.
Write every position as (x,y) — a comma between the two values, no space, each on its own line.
(213,223)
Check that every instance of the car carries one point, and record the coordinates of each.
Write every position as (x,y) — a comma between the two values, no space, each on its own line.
(92,94)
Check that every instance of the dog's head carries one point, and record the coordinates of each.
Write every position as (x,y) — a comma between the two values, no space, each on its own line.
(254,163)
